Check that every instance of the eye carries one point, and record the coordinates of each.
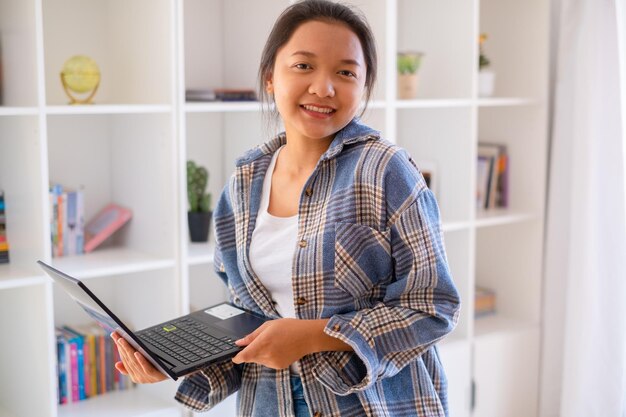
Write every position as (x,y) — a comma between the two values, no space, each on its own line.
(302,66)
(347,73)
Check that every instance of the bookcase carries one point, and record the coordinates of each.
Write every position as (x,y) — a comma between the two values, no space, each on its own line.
(132,145)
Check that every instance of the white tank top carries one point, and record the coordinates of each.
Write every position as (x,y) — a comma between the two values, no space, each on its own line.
(272,249)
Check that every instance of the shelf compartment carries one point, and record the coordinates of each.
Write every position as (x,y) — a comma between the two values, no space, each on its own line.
(18,49)
(132,43)
(111,261)
(22,180)
(520,27)
(131,403)
(140,299)
(208,64)
(445,35)
(440,139)
(126,159)
(26,352)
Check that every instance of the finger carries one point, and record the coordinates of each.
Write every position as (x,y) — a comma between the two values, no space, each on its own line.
(148,368)
(121,368)
(126,353)
(244,341)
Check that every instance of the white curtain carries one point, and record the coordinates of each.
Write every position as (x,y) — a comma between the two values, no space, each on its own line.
(584,306)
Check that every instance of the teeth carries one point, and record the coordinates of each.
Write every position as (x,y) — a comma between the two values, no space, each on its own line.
(318,109)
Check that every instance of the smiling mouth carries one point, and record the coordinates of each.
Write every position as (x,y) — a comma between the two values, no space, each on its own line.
(316,109)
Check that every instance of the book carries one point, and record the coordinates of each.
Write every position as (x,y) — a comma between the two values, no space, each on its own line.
(104,224)
(77,342)
(492,176)
(62,366)
(484,301)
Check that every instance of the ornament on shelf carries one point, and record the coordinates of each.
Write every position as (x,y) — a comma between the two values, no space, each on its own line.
(486,77)
(408,64)
(80,75)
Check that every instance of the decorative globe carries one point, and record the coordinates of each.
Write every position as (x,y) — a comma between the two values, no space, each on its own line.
(80,74)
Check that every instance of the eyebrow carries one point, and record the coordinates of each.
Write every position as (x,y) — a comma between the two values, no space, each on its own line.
(312,55)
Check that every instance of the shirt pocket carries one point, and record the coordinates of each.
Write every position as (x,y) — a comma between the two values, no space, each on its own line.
(362,258)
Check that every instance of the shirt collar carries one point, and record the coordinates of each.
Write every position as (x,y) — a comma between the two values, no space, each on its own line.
(353,132)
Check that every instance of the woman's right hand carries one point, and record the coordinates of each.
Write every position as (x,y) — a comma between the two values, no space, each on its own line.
(134,364)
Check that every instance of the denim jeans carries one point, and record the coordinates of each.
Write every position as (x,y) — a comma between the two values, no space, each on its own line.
(300,406)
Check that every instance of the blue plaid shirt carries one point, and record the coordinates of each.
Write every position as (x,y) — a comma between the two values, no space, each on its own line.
(370,258)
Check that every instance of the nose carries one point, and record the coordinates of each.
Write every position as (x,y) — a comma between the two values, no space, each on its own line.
(322,86)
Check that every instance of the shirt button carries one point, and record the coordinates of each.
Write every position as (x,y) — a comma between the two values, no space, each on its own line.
(302,243)
(301,301)
(309,192)
(222,269)
(336,328)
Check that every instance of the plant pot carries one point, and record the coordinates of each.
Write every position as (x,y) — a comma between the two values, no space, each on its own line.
(199,223)
(407,86)
(486,83)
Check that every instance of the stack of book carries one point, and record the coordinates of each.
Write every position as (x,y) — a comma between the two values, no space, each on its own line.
(4,244)
(484,302)
(86,358)
(220,94)
(67,221)
(492,175)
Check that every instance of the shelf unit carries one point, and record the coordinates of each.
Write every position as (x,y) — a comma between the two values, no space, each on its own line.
(131,147)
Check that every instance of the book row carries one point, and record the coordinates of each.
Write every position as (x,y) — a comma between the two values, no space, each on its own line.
(67,221)
(86,357)
(492,176)
(70,234)
(4,244)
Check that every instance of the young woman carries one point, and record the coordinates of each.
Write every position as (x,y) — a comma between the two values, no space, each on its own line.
(332,232)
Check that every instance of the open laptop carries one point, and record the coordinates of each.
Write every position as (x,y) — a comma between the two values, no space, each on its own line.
(176,347)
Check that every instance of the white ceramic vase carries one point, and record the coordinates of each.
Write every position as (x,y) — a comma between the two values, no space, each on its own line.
(486,83)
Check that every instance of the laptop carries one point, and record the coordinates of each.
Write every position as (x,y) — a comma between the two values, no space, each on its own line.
(176,347)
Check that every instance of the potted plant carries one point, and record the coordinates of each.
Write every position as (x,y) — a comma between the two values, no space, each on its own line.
(199,214)
(408,64)
(486,77)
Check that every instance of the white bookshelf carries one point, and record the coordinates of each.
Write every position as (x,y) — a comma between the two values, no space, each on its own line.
(131,147)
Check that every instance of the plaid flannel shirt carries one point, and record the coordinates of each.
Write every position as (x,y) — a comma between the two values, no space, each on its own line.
(370,258)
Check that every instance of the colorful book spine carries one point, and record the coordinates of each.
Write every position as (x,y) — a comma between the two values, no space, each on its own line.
(67,221)
(4,244)
(62,367)
(80,360)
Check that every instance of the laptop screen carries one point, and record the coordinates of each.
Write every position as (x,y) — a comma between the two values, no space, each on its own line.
(72,287)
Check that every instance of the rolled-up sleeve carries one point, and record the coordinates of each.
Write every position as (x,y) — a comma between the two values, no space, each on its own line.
(202,390)
(420,306)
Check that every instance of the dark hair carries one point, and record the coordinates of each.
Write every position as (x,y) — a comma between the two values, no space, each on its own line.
(317,10)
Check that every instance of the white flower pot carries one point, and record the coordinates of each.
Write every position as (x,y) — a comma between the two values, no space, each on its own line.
(486,83)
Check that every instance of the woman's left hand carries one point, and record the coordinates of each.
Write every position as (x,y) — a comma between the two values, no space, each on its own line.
(279,343)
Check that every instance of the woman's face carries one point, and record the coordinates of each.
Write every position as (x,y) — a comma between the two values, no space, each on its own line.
(318,80)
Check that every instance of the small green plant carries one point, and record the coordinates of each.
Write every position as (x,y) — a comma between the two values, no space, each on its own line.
(409,62)
(483,61)
(197,180)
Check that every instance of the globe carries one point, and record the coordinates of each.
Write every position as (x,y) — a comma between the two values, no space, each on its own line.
(80,74)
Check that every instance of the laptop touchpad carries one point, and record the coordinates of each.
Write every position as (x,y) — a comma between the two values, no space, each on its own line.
(240,325)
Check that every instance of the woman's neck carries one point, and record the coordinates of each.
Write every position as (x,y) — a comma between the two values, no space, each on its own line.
(300,155)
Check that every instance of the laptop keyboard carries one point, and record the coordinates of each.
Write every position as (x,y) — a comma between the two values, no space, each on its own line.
(185,340)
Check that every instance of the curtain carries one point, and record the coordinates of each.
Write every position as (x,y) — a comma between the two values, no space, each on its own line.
(584,305)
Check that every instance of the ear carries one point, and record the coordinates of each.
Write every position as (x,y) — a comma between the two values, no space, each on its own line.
(269,85)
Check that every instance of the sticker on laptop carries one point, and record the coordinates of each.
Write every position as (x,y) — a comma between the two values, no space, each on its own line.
(224,311)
